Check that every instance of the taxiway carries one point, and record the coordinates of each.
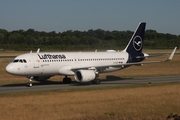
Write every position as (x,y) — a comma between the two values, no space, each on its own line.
(109,81)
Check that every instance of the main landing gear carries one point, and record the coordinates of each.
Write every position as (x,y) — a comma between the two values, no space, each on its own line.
(67,80)
(29,84)
(96,81)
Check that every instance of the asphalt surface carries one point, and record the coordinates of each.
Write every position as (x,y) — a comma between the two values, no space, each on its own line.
(109,81)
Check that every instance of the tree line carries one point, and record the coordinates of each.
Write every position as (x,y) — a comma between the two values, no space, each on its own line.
(81,40)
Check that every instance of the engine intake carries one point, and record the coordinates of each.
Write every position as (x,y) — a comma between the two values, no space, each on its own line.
(84,75)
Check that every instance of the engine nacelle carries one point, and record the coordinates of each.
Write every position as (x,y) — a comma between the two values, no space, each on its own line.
(84,75)
(41,78)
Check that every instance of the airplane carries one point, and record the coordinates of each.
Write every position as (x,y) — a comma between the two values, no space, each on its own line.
(84,66)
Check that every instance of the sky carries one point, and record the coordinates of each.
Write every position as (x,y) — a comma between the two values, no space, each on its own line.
(62,15)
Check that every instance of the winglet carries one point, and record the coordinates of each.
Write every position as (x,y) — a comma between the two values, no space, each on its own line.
(172,54)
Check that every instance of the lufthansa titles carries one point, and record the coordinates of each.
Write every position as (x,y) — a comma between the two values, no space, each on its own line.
(51,56)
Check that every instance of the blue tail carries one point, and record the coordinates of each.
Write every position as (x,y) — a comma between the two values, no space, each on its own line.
(135,44)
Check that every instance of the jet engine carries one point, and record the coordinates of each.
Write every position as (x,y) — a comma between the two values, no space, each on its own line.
(84,75)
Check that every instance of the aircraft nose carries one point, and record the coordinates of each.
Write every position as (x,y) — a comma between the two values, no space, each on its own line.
(10,69)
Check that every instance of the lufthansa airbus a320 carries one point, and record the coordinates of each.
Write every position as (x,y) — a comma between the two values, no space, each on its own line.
(84,66)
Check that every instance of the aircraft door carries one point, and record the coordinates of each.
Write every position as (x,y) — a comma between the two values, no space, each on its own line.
(129,59)
(36,61)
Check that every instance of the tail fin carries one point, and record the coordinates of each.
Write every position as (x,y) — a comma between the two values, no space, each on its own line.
(135,44)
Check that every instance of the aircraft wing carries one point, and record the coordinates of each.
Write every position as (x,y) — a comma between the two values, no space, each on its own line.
(127,64)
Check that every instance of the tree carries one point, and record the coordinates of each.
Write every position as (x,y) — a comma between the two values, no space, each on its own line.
(80,40)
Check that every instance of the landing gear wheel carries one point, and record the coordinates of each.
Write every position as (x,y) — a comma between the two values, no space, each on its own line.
(96,81)
(67,80)
(29,84)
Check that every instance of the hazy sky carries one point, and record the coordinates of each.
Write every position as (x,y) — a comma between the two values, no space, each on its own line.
(61,15)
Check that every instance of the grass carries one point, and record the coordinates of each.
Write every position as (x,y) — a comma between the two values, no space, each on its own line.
(152,102)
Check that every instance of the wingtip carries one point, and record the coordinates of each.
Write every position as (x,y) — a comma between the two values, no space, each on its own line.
(172,54)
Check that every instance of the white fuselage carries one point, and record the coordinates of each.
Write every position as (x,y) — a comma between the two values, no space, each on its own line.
(63,63)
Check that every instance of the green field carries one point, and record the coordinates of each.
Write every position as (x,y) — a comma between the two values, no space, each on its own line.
(152,102)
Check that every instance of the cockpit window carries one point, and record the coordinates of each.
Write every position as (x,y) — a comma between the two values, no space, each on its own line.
(19,61)
(15,61)
(24,61)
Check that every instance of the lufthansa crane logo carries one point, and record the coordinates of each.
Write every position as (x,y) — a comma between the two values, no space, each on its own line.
(137,43)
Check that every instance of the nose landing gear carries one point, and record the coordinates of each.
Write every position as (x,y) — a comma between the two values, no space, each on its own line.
(29,84)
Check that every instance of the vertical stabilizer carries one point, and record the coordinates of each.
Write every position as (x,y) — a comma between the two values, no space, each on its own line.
(135,44)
